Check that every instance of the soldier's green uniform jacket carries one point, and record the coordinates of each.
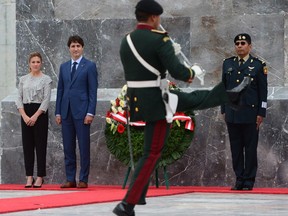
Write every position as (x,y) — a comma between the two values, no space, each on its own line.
(254,101)
(155,48)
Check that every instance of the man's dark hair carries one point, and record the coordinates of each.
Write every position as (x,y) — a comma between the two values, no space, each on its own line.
(75,39)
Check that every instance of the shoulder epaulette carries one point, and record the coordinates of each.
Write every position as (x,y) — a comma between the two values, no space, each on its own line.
(263,63)
(159,31)
(257,59)
(232,57)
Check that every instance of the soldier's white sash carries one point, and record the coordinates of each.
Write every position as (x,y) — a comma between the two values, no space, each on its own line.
(170,100)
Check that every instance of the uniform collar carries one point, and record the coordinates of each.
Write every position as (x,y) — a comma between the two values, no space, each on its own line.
(245,58)
(144,26)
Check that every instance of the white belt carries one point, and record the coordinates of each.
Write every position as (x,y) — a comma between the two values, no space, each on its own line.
(143,84)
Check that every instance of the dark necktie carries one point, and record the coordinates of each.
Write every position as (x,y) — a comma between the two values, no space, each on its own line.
(73,69)
(241,62)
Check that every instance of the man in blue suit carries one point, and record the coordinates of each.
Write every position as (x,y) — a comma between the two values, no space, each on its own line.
(75,110)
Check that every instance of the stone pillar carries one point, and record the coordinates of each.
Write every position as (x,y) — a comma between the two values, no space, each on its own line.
(7,47)
(7,52)
(286,48)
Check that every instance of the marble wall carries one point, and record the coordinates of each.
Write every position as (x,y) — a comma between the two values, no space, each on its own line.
(205,30)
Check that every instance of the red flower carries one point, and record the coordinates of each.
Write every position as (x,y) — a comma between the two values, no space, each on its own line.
(173,84)
(117,102)
(120,128)
(125,113)
(108,114)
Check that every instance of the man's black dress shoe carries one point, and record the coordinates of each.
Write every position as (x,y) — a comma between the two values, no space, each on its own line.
(237,187)
(236,93)
(121,210)
(247,188)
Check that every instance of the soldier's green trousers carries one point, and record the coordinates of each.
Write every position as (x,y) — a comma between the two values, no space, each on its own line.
(202,99)
(156,133)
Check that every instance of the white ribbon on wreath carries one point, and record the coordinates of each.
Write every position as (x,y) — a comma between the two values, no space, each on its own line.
(189,125)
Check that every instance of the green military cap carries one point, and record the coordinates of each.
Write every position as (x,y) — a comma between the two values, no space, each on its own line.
(149,7)
(243,36)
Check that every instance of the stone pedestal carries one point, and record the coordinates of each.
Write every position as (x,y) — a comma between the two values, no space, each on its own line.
(207,162)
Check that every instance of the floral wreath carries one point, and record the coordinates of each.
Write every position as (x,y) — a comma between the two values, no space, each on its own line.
(179,139)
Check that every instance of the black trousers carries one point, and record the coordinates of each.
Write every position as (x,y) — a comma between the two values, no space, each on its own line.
(243,143)
(35,138)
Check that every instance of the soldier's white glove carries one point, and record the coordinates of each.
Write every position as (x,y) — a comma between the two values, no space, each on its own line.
(177,48)
(199,72)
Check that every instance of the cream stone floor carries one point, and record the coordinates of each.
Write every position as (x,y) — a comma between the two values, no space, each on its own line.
(193,204)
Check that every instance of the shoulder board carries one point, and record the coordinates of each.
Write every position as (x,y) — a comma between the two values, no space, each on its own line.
(159,31)
(265,68)
(259,60)
(232,58)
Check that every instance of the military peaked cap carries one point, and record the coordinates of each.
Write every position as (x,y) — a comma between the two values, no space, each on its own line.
(149,7)
(243,36)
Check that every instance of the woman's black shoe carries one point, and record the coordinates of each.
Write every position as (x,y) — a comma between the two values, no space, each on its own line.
(39,186)
(30,186)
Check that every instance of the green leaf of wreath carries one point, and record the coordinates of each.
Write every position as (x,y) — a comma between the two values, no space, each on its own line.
(178,142)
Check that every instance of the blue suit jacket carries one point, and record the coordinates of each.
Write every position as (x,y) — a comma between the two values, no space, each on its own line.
(80,93)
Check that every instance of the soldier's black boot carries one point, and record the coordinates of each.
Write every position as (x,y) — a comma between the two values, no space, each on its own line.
(124,209)
(236,93)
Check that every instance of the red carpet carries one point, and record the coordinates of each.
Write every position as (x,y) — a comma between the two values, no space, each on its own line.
(100,194)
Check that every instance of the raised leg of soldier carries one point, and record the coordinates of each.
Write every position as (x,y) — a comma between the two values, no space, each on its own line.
(204,99)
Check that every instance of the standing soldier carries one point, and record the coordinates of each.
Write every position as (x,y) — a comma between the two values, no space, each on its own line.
(243,124)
